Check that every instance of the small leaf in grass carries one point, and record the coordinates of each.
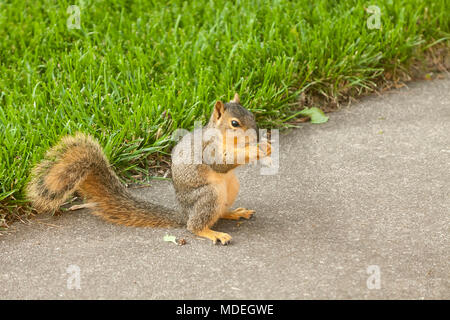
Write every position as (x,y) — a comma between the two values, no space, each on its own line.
(168,238)
(316,115)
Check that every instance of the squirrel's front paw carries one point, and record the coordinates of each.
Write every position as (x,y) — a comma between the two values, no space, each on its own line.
(215,236)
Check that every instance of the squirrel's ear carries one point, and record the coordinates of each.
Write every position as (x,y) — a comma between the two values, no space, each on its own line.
(236,98)
(219,109)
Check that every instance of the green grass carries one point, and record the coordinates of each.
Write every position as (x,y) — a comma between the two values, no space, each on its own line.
(137,70)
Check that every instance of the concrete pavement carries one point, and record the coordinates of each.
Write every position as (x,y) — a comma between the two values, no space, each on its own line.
(360,209)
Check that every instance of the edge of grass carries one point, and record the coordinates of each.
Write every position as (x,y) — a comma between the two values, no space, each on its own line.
(275,106)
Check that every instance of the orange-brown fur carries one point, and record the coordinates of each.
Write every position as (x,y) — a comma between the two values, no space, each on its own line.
(205,192)
(78,164)
(227,188)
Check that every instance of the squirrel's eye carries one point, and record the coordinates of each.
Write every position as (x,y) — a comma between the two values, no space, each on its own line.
(234,123)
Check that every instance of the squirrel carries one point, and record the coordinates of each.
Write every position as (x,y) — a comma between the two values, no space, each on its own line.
(205,189)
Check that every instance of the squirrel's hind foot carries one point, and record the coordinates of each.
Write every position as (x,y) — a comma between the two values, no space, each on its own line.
(238,213)
(215,236)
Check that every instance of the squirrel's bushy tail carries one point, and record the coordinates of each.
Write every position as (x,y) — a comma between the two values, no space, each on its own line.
(77,163)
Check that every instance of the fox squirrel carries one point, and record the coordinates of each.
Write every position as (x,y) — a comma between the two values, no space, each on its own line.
(205,190)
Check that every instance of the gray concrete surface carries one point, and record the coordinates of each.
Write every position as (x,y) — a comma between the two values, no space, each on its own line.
(370,187)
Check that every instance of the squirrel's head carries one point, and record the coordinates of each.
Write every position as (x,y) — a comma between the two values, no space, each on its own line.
(233,116)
